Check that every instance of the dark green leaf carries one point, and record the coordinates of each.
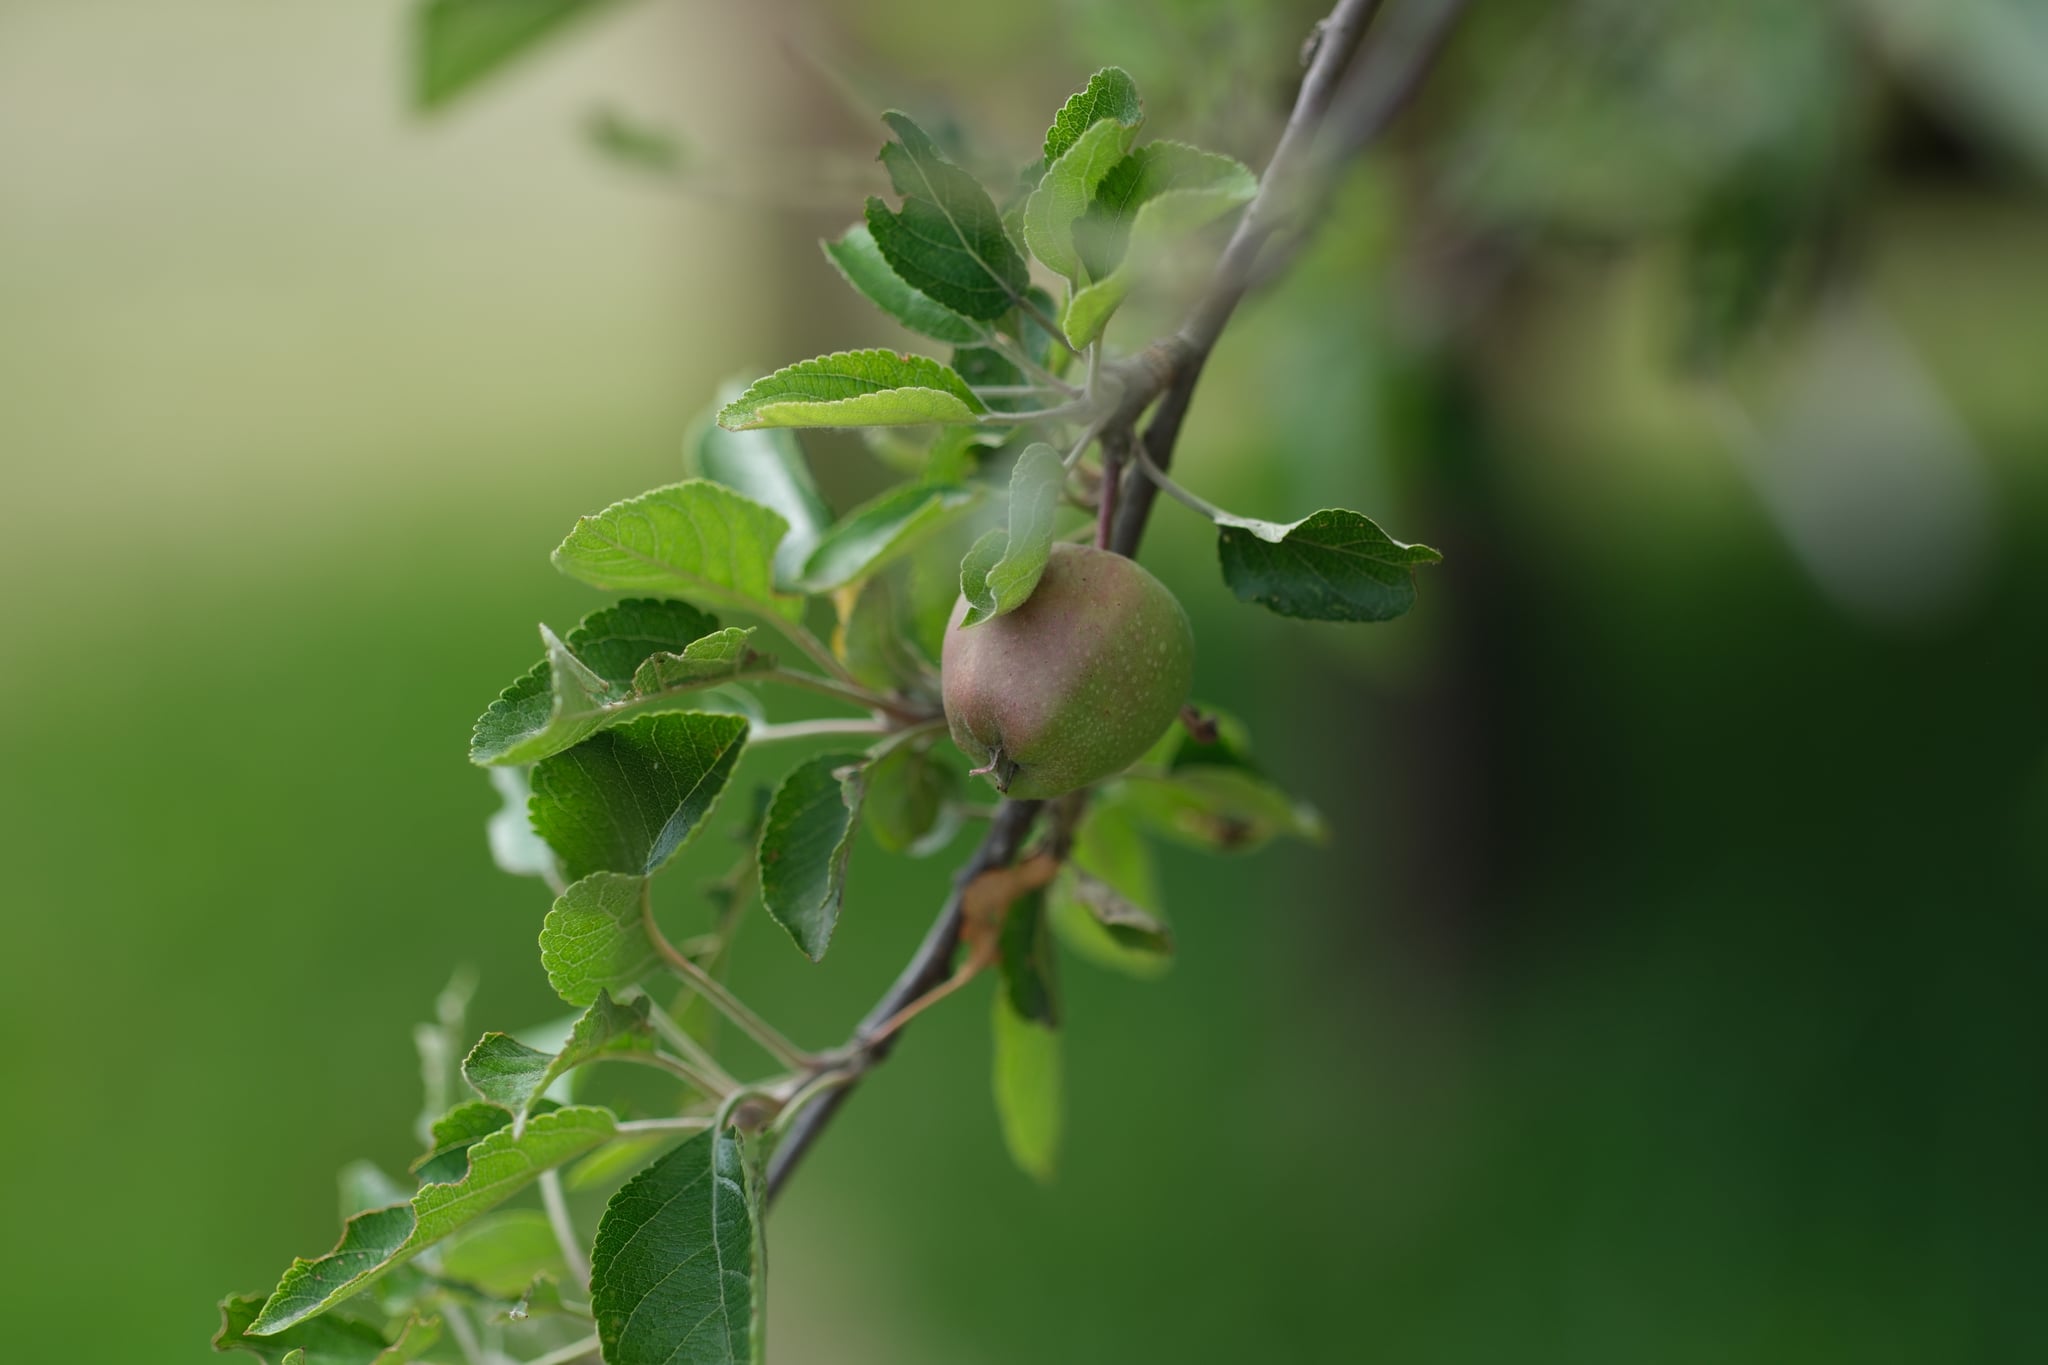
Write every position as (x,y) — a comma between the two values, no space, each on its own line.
(1003,568)
(459,42)
(507,1072)
(625,799)
(767,466)
(675,1270)
(879,532)
(595,938)
(861,262)
(854,389)
(906,790)
(696,539)
(947,241)
(330,1340)
(454,1133)
(1110,94)
(1334,565)
(373,1243)
(804,846)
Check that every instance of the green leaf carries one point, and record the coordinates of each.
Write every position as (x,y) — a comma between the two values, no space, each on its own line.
(880,531)
(503,1253)
(364,1185)
(947,241)
(508,1073)
(453,1134)
(515,848)
(873,640)
(675,1271)
(861,262)
(1110,94)
(854,389)
(1148,201)
(769,467)
(1027,1071)
(500,1165)
(459,42)
(333,1340)
(1003,568)
(440,1045)
(1110,853)
(594,679)
(1068,190)
(804,846)
(906,790)
(1222,810)
(625,799)
(1334,565)
(595,938)
(633,142)
(1129,924)
(696,539)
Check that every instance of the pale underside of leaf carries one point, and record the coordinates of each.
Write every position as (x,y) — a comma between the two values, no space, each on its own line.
(1065,192)
(855,389)
(1002,568)
(1159,223)
(882,531)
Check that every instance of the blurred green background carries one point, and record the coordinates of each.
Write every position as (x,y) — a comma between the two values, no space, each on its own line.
(1670,989)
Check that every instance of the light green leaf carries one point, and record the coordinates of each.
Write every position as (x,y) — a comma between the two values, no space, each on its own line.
(879,532)
(598,677)
(332,1340)
(625,799)
(861,262)
(1334,565)
(515,848)
(805,842)
(854,389)
(508,1073)
(459,42)
(1110,853)
(1002,569)
(1067,191)
(675,1271)
(1110,94)
(769,467)
(500,1165)
(1148,201)
(905,790)
(1027,1072)
(947,241)
(873,643)
(1221,809)
(696,539)
(633,142)
(451,1137)
(502,1253)
(595,938)
(440,1045)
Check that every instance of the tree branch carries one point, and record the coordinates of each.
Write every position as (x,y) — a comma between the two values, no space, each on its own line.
(1170,367)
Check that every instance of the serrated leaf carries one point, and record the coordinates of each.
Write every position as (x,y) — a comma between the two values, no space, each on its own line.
(1026,1068)
(1110,852)
(500,1165)
(696,539)
(1067,190)
(331,1340)
(805,842)
(1002,569)
(515,848)
(598,677)
(854,389)
(459,42)
(1148,201)
(948,240)
(767,466)
(595,938)
(675,1269)
(857,258)
(503,1253)
(1334,565)
(510,1074)
(880,531)
(1110,94)
(625,799)
(905,791)
(1222,809)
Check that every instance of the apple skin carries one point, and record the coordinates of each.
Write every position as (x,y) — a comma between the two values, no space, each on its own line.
(1073,685)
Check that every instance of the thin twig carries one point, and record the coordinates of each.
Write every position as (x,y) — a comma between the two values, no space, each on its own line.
(712,989)
(765,733)
(557,1205)
(567,1355)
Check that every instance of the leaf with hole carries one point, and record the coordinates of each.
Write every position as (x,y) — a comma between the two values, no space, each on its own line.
(947,241)
(805,843)
(675,1271)
(626,799)
(693,539)
(854,389)
(1334,565)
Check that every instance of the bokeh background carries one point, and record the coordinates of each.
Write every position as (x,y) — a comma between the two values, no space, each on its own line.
(1670,989)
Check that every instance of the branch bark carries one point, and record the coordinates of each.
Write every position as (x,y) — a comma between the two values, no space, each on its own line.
(1167,371)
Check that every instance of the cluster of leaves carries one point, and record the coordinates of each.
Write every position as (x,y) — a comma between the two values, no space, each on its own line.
(615,748)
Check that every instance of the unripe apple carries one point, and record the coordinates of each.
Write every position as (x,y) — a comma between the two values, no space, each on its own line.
(1073,685)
